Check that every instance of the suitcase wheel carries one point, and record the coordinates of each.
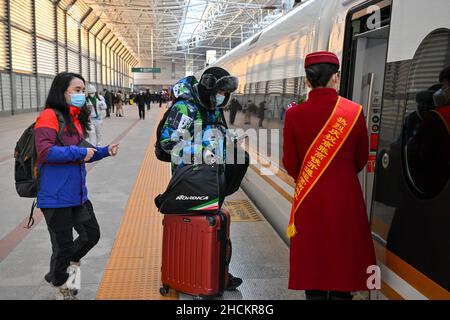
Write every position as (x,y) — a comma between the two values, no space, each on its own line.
(164,290)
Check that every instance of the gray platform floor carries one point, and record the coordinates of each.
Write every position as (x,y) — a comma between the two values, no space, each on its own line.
(260,257)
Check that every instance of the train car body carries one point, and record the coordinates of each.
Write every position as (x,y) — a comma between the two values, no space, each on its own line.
(392,52)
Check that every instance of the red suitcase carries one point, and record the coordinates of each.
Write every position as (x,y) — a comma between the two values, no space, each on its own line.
(196,254)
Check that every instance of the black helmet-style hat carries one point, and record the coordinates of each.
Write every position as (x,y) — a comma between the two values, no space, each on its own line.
(213,80)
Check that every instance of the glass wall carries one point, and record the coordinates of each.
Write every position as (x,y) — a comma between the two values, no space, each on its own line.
(38,39)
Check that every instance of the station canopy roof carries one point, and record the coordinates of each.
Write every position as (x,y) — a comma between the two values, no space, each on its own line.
(181,28)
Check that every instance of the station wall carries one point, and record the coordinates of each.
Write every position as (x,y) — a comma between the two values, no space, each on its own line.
(40,38)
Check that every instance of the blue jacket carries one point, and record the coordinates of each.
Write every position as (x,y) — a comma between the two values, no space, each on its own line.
(61,168)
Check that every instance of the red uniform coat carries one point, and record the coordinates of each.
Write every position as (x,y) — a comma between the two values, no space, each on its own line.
(333,247)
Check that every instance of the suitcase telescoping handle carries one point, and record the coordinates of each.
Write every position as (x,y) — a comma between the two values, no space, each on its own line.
(224,243)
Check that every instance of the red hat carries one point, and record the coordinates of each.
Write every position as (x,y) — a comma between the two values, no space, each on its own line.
(321,57)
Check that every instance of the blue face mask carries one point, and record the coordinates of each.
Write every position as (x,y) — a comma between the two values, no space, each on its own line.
(77,100)
(219,99)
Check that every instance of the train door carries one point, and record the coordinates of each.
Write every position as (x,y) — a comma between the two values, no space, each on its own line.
(411,205)
(363,73)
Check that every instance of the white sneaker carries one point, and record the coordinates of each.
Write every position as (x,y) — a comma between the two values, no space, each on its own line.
(74,280)
(64,293)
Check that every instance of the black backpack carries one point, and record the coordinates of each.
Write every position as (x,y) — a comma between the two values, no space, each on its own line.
(26,173)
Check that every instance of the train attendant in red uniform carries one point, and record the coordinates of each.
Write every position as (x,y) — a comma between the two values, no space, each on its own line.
(325,146)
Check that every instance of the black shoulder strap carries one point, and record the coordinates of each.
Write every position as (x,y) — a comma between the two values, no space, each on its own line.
(30,218)
(223,118)
(61,124)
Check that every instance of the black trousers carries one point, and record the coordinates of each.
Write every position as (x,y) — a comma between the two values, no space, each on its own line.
(327,295)
(142,112)
(60,222)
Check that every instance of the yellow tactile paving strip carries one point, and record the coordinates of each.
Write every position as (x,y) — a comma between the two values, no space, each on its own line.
(241,210)
(133,271)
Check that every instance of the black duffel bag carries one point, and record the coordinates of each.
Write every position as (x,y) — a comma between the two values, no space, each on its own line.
(235,171)
(194,189)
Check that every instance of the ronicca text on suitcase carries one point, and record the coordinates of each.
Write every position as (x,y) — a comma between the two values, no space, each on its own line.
(196,254)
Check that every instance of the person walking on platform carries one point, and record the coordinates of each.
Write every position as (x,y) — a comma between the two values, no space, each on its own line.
(62,194)
(140,101)
(200,102)
(325,146)
(148,99)
(96,104)
(107,97)
(261,113)
(160,99)
(235,106)
(113,101)
(248,112)
(119,103)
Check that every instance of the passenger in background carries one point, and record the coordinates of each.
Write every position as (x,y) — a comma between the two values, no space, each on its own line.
(160,99)
(108,99)
(325,147)
(62,194)
(234,107)
(96,104)
(170,98)
(140,101)
(248,109)
(119,102)
(261,113)
(155,97)
(113,102)
(148,99)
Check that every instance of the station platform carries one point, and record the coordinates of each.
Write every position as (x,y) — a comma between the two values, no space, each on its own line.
(125,264)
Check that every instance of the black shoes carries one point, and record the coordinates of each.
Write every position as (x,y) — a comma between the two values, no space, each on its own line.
(233,282)
(48,278)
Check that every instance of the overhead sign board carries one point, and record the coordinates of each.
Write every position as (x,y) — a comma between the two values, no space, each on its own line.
(146,70)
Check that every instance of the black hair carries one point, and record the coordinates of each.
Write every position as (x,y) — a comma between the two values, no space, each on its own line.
(57,100)
(435,87)
(320,74)
(445,75)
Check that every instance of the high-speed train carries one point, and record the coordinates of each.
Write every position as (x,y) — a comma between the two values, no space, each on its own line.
(392,53)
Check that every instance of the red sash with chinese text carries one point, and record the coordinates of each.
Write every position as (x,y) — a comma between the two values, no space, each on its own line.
(444,114)
(322,152)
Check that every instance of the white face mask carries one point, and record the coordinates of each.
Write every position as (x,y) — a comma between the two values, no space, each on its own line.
(219,99)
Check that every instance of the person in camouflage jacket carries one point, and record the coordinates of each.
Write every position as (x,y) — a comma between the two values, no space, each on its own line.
(197,117)
(195,128)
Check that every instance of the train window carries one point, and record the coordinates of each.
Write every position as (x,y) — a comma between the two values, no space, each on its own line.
(425,137)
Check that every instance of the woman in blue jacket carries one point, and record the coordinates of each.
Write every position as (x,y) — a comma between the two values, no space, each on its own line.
(62,195)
